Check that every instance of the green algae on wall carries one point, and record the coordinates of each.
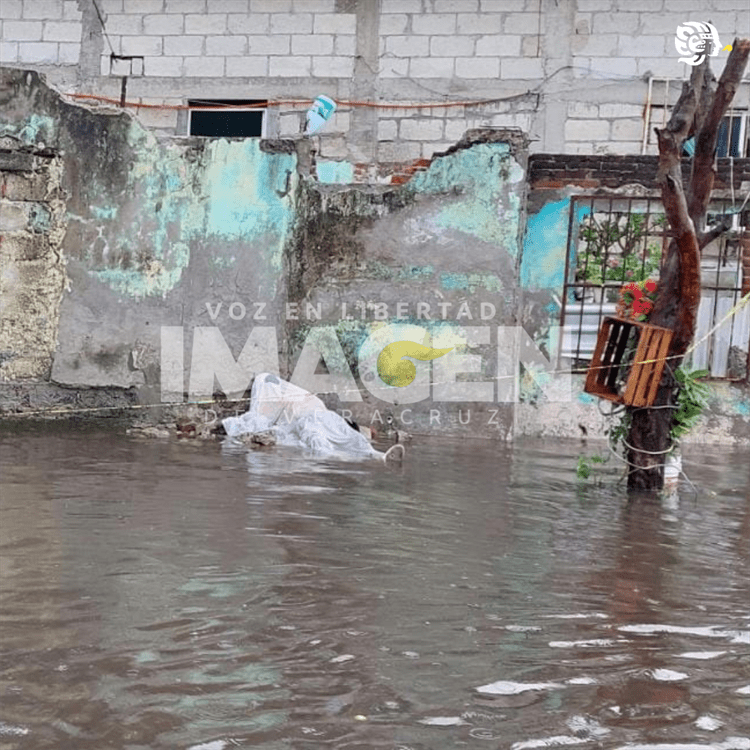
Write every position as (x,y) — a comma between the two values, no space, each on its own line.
(485,178)
(225,196)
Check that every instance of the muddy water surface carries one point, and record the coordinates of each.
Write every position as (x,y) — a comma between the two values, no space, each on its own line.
(176,595)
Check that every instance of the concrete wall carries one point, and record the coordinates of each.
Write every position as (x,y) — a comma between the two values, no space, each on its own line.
(188,265)
(570,73)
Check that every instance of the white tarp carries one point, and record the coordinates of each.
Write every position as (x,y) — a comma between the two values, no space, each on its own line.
(299,419)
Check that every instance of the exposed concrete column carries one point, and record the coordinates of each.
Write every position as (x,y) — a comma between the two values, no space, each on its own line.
(557,23)
(92,46)
(363,133)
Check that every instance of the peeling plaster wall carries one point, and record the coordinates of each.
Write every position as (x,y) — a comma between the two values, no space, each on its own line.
(158,233)
(32,270)
(430,254)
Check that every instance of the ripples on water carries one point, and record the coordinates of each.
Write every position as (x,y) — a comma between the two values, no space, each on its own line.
(183,595)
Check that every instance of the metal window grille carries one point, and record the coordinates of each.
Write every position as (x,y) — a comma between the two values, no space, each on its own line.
(613,240)
(734,134)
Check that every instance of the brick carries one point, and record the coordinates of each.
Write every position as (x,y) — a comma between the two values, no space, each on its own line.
(451,46)
(270,6)
(9,52)
(521,23)
(291,23)
(393,23)
(618,23)
(456,6)
(143,45)
(161,119)
(663,66)
(387,130)
(170,67)
(530,46)
(430,149)
(189,6)
(11,10)
(253,23)
(106,6)
(204,67)
(68,53)
(46,10)
(479,23)
(333,147)
(255,66)
(394,67)
(335,23)
(37,52)
(268,45)
(644,46)
(345,44)
(586,130)
(502,45)
(434,23)
(598,45)
(630,129)
(431,67)
(62,31)
(22,31)
(615,66)
(477,67)
(162,25)
(333,67)
(528,68)
(401,6)
(647,5)
(314,6)
(598,5)
(501,6)
(396,152)
(186,46)
(216,23)
(226,46)
(142,6)
(616,110)
(227,6)
(286,67)
(584,110)
(454,129)
(408,46)
(124,25)
(317,44)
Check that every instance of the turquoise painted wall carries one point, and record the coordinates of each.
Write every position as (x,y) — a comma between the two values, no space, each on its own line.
(545,241)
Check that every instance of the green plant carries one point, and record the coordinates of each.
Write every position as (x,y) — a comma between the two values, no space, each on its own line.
(691,400)
(617,249)
(584,468)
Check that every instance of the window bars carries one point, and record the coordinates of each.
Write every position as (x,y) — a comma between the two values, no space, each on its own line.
(613,240)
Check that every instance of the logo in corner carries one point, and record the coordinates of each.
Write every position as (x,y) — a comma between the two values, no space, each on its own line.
(696,39)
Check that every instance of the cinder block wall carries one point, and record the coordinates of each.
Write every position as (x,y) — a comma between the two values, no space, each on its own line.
(573,74)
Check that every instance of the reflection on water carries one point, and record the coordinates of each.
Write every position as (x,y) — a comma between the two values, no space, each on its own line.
(179,595)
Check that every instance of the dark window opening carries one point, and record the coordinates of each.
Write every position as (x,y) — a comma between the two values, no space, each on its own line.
(226,118)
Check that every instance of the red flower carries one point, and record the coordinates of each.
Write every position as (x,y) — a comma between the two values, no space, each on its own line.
(650,285)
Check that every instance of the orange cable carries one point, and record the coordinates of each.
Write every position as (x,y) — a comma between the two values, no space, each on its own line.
(294,102)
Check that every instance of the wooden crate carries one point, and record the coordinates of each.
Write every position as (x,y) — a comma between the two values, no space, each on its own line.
(643,373)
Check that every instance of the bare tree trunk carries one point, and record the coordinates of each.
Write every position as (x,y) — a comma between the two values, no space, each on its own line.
(699,110)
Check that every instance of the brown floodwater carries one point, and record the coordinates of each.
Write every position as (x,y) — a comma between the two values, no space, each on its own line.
(172,594)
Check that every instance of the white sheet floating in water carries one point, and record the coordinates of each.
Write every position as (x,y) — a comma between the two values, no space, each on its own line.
(701,654)
(583,644)
(743,690)
(667,675)
(730,743)
(300,420)
(213,745)
(709,723)
(503,687)
(558,741)
(443,721)
(7,730)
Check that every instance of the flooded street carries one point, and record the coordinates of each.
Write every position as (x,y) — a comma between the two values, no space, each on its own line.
(183,595)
